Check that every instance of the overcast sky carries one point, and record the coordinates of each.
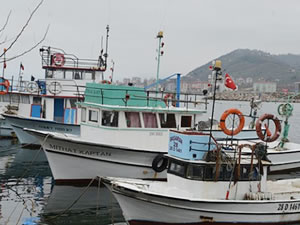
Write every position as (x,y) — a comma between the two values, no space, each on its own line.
(195,31)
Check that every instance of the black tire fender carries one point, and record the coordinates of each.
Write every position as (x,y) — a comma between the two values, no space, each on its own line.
(159,163)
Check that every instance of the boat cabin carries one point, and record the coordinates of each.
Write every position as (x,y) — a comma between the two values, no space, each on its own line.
(130,110)
(54,97)
(194,165)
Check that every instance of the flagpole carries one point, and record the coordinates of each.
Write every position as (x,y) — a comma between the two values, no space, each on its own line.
(4,63)
(19,81)
(216,71)
(159,36)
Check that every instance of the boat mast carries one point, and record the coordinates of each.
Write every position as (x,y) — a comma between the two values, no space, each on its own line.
(160,35)
(216,71)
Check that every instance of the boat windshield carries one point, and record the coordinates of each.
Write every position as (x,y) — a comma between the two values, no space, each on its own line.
(207,172)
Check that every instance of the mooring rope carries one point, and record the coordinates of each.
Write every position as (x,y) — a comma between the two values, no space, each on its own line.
(74,202)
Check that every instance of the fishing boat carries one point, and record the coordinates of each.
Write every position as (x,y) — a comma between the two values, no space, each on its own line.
(205,185)
(123,132)
(50,104)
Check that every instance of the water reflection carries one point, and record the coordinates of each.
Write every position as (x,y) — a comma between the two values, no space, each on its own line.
(28,195)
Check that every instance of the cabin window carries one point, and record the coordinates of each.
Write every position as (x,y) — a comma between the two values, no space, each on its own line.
(37,101)
(246,175)
(77,76)
(167,120)
(59,74)
(150,120)
(110,118)
(83,115)
(25,99)
(70,103)
(6,98)
(93,116)
(133,119)
(89,75)
(15,98)
(195,172)
(227,172)
(177,168)
(209,172)
(186,121)
(69,75)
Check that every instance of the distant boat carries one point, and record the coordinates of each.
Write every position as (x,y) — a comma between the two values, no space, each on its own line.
(208,187)
(50,104)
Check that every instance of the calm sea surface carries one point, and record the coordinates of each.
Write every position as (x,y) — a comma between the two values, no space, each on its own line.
(28,195)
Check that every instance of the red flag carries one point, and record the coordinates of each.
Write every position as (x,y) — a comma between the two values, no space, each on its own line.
(4,64)
(21,66)
(229,82)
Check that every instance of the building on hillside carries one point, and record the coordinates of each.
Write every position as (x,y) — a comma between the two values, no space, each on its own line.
(199,86)
(126,81)
(240,81)
(264,86)
(137,81)
(249,80)
(297,87)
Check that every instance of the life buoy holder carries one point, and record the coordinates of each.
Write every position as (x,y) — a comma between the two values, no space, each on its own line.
(170,97)
(58,59)
(267,136)
(105,82)
(5,84)
(159,163)
(230,131)
(32,87)
(55,88)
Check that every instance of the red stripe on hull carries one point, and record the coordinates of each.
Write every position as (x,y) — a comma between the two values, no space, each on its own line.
(135,222)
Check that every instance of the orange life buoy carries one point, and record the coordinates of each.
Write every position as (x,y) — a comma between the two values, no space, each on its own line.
(169,97)
(5,84)
(58,59)
(265,136)
(231,131)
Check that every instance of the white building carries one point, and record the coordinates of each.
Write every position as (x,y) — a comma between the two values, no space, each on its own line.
(264,86)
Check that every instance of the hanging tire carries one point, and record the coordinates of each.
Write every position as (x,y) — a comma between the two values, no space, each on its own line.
(159,163)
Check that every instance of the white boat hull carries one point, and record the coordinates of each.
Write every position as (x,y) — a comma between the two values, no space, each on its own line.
(71,160)
(18,123)
(285,159)
(147,209)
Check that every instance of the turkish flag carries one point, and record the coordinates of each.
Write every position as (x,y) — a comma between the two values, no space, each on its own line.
(229,82)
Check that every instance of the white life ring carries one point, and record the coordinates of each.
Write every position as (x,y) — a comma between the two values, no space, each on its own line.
(55,88)
(32,87)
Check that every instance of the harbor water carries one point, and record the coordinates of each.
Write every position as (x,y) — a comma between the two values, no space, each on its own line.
(29,196)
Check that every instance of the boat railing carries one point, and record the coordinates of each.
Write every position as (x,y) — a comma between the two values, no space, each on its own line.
(43,87)
(58,59)
(150,98)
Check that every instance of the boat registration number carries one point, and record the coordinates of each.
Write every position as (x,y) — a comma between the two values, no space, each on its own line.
(288,206)
(156,133)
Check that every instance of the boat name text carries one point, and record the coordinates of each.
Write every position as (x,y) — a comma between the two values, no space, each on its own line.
(77,151)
